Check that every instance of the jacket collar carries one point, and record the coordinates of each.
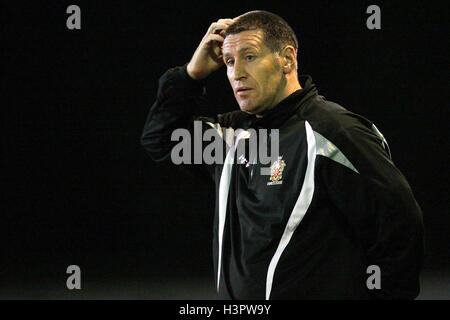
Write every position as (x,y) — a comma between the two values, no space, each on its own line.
(276,116)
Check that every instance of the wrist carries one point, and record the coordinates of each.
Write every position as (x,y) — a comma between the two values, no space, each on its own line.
(197,76)
(187,81)
(190,73)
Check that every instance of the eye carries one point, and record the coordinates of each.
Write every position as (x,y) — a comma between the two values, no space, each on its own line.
(249,57)
(229,62)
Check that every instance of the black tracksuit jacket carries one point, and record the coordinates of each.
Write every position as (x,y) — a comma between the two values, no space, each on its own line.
(337,206)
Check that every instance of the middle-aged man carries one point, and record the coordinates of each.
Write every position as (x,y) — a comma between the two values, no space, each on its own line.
(334,219)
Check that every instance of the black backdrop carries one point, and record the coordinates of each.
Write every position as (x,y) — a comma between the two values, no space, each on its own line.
(78,187)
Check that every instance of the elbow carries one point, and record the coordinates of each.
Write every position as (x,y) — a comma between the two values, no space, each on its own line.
(157,152)
(144,141)
(148,146)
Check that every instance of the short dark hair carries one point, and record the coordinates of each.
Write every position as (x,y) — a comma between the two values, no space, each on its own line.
(277,32)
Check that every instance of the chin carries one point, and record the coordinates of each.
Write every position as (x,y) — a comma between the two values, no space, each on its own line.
(248,108)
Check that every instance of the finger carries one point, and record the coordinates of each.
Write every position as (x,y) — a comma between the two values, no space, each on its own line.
(216,27)
(214,37)
(220,32)
(227,21)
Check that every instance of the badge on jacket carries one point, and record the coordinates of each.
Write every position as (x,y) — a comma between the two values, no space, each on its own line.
(276,172)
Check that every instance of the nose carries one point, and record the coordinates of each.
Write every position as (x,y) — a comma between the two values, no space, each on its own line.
(239,70)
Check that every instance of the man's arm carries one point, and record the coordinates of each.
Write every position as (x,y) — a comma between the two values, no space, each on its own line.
(178,95)
(175,104)
(379,206)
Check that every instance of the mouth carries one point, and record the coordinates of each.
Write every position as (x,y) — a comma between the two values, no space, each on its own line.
(243,90)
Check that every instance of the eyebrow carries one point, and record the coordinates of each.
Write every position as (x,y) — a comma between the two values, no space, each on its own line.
(240,50)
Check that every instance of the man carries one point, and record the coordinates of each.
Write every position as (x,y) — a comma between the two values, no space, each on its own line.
(334,207)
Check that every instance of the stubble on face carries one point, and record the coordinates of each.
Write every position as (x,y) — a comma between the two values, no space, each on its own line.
(262,73)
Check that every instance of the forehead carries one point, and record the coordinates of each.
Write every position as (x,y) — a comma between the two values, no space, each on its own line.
(244,39)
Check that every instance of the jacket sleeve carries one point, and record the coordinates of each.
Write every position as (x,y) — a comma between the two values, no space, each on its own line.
(177,100)
(379,207)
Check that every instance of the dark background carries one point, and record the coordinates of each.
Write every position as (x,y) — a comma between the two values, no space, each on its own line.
(78,187)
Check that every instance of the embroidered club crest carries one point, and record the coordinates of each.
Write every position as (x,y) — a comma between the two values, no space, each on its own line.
(276,171)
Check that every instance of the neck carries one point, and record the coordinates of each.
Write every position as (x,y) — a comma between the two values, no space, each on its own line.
(294,86)
(289,89)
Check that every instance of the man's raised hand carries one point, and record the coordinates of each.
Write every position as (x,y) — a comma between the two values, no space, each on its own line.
(207,57)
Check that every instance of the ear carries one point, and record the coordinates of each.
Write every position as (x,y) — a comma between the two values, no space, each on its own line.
(289,59)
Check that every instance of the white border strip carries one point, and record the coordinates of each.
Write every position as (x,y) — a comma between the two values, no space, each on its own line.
(224,188)
(328,149)
(300,208)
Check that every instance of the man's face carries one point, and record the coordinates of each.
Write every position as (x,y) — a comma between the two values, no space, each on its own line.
(253,70)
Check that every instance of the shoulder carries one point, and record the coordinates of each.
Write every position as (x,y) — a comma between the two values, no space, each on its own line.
(347,131)
(331,119)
